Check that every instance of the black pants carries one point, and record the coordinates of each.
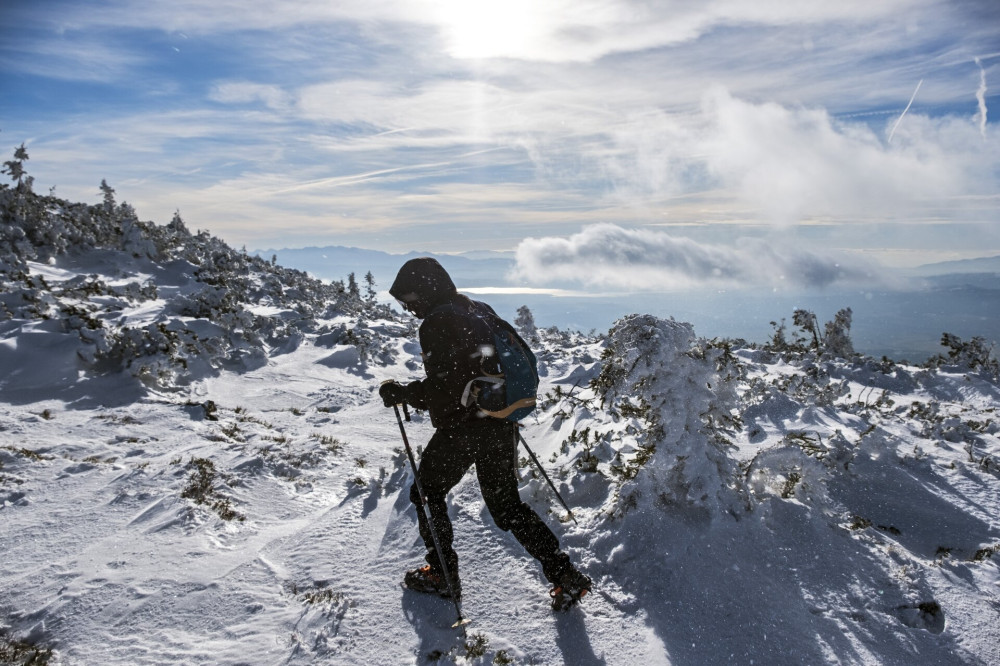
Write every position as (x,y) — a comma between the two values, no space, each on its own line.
(492,447)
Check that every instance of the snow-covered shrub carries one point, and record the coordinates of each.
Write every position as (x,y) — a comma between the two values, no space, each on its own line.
(657,372)
(202,490)
(787,471)
(834,340)
(815,386)
(837,341)
(226,308)
(209,302)
(150,354)
(809,324)
(23,296)
(22,651)
(975,355)
(371,344)
(136,239)
(80,317)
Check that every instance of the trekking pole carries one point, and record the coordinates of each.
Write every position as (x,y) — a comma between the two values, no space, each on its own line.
(542,470)
(461,621)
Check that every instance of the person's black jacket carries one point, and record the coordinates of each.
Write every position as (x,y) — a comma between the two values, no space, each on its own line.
(451,336)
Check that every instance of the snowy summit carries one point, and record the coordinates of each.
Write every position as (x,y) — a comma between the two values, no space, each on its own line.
(196,468)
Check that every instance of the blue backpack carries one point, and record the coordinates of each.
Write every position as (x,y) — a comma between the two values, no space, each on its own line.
(508,384)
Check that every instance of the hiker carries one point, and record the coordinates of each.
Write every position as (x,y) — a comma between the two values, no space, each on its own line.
(464,435)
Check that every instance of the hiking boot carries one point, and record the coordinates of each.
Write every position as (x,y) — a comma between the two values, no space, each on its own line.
(571,588)
(426,580)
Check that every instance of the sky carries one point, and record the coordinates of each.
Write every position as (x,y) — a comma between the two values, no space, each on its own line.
(595,138)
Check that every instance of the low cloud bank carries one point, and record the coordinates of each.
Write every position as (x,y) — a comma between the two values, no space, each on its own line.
(607,256)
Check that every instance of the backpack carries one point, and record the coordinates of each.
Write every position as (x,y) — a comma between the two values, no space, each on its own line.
(508,383)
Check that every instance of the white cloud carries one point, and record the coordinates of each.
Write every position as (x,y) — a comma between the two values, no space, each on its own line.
(606,256)
(586,30)
(244,92)
(790,164)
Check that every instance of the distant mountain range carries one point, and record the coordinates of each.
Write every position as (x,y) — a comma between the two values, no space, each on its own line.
(958,297)
(336,262)
(487,268)
(979,265)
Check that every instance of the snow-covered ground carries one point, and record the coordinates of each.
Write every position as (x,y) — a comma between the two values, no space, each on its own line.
(185,479)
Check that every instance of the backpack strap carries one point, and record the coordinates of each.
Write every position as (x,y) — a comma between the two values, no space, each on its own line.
(510,409)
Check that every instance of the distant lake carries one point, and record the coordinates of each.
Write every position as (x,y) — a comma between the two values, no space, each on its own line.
(898,324)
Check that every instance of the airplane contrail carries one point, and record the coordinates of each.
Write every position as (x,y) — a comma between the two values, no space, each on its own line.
(354,179)
(981,98)
(900,119)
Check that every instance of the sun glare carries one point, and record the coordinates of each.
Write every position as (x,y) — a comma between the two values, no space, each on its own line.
(493,29)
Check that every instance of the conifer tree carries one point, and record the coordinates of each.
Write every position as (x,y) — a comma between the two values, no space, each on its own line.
(807,322)
(109,196)
(177,225)
(525,323)
(838,335)
(15,168)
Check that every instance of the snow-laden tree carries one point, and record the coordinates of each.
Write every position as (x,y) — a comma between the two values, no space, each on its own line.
(837,341)
(975,355)
(682,390)
(833,340)
(15,168)
(525,323)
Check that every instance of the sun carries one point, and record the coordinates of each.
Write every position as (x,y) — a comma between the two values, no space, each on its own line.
(477,29)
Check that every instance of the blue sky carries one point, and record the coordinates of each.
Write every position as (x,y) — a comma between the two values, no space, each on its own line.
(595,138)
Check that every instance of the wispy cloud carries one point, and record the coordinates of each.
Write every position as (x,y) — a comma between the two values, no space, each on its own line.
(586,30)
(611,257)
(85,58)
(244,92)
(557,31)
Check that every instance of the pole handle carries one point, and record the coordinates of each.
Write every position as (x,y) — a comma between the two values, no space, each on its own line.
(406,412)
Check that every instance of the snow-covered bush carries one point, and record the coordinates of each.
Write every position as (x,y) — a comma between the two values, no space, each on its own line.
(974,355)
(833,341)
(22,651)
(225,308)
(837,341)
(202,489)
(680,389)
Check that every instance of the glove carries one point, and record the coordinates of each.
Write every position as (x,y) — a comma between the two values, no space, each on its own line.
(392,393)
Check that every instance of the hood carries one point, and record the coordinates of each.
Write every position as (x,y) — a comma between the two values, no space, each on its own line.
(421,284)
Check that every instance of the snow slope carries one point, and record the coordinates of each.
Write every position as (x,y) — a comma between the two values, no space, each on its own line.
(224,486)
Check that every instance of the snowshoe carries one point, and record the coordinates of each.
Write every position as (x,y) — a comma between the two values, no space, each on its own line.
(572,587)
(428,581)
